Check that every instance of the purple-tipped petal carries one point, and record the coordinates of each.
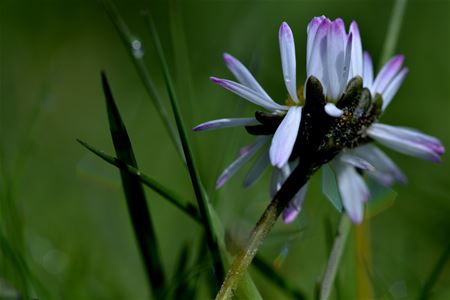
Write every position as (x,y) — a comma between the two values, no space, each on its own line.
(240,161)
(386,74)
(313,26)
(257,170)
(367,71)
(357,53)
(224,123)
(354,191)
(407,141)
(386,171)
(356,161)
(295,205)
(288,63)
(332,110)
(393,87)
(336,46)
(248,94)
(284,138)
(243,75)
(318,59)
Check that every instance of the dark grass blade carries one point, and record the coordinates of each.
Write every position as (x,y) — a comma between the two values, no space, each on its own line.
(185,288)
(192,212)
(212,238)
(135,197)
(136,51)
(435,273)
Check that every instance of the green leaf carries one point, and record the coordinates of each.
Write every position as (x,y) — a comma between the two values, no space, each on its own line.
(136,51)
(330,188)
(135,197)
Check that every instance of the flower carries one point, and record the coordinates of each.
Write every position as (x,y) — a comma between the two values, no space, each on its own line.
(329,46)
(332,123)
(280,125)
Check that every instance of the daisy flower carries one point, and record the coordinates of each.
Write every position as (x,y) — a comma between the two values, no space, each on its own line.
(336,59)
(333,121)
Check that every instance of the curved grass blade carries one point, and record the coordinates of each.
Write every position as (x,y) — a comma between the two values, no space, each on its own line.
(186,207)
(192,212)
(134,194)
(136,51)
(212,237)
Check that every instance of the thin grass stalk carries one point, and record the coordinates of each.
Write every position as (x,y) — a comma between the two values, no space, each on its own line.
(136,51)
(212,238)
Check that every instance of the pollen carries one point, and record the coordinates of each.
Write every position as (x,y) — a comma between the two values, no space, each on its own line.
(301,98)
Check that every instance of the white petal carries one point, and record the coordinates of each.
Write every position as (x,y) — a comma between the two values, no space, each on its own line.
(243,75)
(295,205)
(312,30)
(356,161)
(347,62)
(357,53)
(287,50)
(284,138)
(393,87)
(368,71)
(386,74)
(245,155)
(336,45)
(353,190)
(386,169)
(248,94)
(407,141)
(332,110)
(318,58)
(224,123)
(257,170)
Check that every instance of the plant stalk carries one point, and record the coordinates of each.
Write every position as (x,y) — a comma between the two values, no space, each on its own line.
(280,201)
(335,257)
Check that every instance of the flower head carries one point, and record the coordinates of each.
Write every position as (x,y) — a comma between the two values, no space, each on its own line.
(333,121)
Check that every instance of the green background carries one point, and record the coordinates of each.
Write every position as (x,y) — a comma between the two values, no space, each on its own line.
(63,209)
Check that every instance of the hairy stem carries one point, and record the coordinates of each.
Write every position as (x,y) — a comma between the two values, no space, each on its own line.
(241,263)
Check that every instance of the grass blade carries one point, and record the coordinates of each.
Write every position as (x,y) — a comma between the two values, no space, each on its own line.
(212,237)
(134,194)
(184,206)
(136,51)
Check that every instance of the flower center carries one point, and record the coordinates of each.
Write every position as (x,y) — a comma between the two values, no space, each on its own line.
(321,136)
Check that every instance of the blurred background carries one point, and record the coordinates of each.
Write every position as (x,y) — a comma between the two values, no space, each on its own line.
(66,230)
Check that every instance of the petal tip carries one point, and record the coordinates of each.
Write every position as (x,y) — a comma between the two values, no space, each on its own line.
(333,111)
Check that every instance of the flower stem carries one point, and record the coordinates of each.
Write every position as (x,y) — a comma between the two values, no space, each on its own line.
(241,263)
(335,256)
